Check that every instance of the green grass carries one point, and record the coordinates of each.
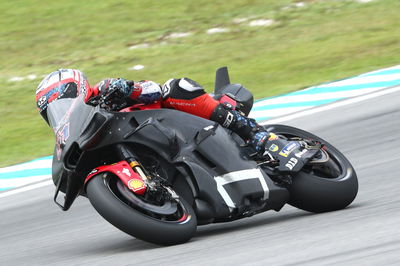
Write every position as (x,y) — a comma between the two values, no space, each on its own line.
(326,40)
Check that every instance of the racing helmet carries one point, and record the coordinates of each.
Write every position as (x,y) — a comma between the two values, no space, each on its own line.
(63,83)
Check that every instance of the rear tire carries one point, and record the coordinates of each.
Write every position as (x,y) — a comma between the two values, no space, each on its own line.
(319,191)
(114,208)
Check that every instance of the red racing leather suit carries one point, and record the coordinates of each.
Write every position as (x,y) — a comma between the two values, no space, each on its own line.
(188,96)
(180,94)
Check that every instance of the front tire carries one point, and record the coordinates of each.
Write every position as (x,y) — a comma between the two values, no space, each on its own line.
(115,208)
(321,190)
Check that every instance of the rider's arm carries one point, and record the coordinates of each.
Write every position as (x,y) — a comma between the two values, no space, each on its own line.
(144,91)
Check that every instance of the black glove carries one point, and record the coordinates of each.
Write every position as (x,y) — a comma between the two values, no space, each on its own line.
(117,93)
(119,88)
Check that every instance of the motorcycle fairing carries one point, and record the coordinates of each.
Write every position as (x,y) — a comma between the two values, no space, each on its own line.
(181,139)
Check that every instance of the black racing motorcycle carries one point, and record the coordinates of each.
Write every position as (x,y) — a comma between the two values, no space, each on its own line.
(158,173)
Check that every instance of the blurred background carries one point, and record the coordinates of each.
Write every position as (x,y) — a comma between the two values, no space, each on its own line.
(272,47)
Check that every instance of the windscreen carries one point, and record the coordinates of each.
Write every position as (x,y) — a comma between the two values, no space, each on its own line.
(59,111)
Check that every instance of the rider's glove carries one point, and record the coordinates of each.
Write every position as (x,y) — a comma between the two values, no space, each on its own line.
(120,88)
(117,93)
(259,141)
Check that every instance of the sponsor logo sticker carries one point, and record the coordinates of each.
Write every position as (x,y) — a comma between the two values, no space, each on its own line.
(288,149)
(291,163)
(272,136)
(136,184)
(273,148)
(95,170)
(126,172)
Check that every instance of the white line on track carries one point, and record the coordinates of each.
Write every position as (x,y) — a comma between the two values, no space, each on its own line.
(360,80)
(271,121)
(332,105)
(26,188)
(45,163)
(22,181)
(278,112)
(381,70)
(315,97)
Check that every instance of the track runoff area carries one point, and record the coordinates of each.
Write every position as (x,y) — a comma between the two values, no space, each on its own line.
(37,173)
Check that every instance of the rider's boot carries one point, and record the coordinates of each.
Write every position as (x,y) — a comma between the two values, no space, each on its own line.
(245,127)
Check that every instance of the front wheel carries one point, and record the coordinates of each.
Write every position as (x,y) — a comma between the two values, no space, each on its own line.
(323,187)
(168,223)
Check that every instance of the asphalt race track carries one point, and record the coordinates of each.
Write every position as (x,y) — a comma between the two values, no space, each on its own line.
(35,232)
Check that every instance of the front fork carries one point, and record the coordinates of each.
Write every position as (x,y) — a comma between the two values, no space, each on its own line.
(127,155)
(128,170)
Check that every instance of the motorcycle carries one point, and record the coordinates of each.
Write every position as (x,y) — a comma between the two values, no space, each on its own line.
(157,174)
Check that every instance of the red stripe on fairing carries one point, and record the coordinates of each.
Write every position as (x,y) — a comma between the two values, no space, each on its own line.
(52,86)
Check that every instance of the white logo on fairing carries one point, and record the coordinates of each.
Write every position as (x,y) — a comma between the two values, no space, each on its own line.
(291,163)
(126,171)
(301,153)
(208,128)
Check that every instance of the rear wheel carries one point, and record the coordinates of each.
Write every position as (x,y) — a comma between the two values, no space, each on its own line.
(320,187)
(159,218)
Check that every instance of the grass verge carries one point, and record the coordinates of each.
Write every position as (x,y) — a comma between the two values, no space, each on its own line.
(321,41)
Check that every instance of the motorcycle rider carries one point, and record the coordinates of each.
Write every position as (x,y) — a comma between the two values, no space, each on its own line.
(182,94)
